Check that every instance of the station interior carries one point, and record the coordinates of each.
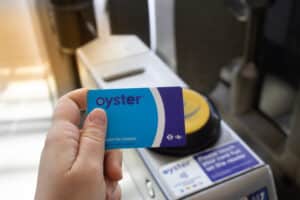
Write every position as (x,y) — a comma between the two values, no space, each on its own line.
(241,56)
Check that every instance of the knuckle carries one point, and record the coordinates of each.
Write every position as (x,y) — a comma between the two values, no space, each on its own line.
(94,128)
(99,127)
(94,134)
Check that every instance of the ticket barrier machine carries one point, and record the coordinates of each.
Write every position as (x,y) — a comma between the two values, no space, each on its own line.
(215,164)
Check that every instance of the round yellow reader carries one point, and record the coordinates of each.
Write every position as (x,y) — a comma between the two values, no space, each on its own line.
(196,111)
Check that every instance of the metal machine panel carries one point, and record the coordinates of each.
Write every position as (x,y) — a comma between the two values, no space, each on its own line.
(249,179)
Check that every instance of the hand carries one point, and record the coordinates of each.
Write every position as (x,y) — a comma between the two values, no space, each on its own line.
(74,164)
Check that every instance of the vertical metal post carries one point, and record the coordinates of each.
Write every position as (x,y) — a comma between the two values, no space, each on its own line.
(246,85)
(293,140)
(162,30)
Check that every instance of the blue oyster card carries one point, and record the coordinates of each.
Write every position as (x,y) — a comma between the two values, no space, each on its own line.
(141,117)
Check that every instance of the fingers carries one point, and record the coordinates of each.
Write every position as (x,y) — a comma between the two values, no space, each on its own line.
(111,187)
(69,106)
(92,140)
(63,137)
(113,190)
(113,173)
(117,193)
(113,165)
(62,144)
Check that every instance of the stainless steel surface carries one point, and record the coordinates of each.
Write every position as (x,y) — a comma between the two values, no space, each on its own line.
(243,89)
(102,19)
(150,188)
(93,58)
(243,183)
(112,48)
(290,161)
(240,193)
(142,186)
(128,187)
(119,73)
(155,161)
(156,73)
(162,30)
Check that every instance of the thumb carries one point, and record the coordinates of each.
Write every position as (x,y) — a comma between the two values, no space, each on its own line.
(92,141)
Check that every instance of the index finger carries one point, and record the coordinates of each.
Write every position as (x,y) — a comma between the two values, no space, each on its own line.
(69,106)
(113,165)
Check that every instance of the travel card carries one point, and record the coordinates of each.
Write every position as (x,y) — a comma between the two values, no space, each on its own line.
(141,117)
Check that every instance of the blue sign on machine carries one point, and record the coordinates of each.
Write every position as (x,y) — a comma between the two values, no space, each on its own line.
(226,161)
(261,194)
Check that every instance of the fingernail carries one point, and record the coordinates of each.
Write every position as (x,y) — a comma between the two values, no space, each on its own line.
(98,117)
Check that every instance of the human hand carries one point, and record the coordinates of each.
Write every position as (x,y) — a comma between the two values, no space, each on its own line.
(74,164)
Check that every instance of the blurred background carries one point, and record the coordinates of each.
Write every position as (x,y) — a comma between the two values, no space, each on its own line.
(244,54)
(25,99)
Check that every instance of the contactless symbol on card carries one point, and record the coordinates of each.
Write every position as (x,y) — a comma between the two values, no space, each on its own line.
(141,117)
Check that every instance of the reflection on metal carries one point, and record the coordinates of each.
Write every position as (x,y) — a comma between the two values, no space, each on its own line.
(239,8)
(290,161)
(150,188)
(243,89)
(102,19)
(123,74)
(162,30)
(152,24)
